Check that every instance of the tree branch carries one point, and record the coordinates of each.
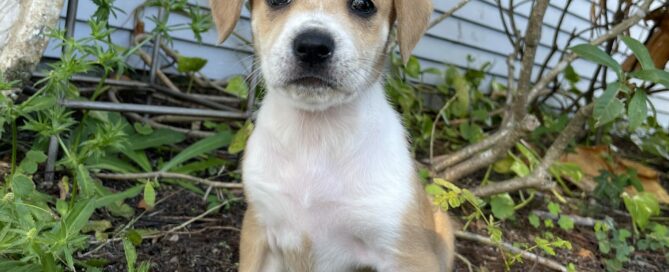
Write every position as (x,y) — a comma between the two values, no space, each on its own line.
(448,13)
(540,178)
(482,154)
(539,88)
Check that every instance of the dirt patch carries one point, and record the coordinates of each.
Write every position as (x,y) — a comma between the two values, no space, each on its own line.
(211,244)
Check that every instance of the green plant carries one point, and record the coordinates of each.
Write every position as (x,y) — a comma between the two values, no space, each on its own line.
(42,232)
(614,242)
(610,186)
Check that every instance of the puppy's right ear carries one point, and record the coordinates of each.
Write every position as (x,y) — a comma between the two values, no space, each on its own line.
(226,14)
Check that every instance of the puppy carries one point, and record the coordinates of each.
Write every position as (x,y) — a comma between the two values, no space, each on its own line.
(328,175)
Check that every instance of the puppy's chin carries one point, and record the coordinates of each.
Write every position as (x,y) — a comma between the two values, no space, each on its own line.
(311,94)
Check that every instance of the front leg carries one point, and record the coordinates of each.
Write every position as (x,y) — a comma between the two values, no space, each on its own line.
(254,253)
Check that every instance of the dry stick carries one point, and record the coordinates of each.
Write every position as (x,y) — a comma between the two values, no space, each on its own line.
(185,224)
(152,175)
(578,220)
(508,247)
(540,178)
(448,13)
(469,164)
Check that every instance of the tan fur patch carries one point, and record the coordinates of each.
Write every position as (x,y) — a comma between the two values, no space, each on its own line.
(428,241)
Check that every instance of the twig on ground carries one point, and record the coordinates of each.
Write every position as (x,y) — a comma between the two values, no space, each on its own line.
(466,261)
(510,248)
(167,175)
(448,13)
(185,224)
(578,220)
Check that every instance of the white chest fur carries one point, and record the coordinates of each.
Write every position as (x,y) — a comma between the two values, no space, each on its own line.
(341,178)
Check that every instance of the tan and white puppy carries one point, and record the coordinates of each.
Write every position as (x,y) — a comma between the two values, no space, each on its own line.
(328,175)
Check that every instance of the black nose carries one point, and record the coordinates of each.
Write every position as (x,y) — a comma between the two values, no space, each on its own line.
(313,47)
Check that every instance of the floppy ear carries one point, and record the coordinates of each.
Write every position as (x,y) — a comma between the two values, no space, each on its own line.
(226,14)
(413,17)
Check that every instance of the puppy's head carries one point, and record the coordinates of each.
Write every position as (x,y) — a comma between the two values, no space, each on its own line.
(322,53)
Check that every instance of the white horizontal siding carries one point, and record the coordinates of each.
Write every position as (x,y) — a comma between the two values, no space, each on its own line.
(474,30)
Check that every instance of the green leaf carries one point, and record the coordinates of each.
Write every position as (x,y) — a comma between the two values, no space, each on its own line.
(520,168)
(143,129)
(149,195)
(112,164)
(190,64)
(139,157)
(471,132)
(597,55)
(502,206)
(38,104)
(566,223)
(197,149)
(608,107)
(462,94)
(239,141)
(237,86)
(36,156)
(554,208)
(118,197)
(534,220)
(159,137)
(641,207)
(503,166)
(654,75)
(641,52)
(135,237)
(637,110)
(434,190)
(130,254)
(79,215)
(84,181)
(433,71)
(545,245)
(413,67)
(22,186)
(28,167)
(571,75)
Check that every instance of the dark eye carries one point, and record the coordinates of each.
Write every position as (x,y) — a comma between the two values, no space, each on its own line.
(278,3)
(364,8)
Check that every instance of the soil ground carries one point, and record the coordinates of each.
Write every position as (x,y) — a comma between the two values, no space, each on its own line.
(211,244)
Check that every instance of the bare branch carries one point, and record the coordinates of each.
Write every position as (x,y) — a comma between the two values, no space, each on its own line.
(448,13)
(167,175)
(540,178)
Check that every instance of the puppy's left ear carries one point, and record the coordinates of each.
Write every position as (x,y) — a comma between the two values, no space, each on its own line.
(226,14)
(413,17)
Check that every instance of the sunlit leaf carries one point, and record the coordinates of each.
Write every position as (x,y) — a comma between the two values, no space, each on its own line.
(597,55)
(641,207)
(190,64)
(239,141)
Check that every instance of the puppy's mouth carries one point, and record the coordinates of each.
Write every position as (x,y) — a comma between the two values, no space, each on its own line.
(312,81)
